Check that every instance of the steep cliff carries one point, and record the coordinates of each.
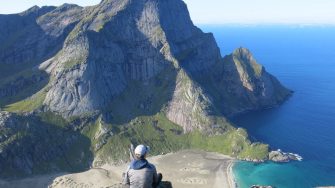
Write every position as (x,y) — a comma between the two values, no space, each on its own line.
(119,72)
(119,42)
(27,39)
(238,84)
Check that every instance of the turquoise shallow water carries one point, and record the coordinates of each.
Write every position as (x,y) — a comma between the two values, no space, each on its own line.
(303,59)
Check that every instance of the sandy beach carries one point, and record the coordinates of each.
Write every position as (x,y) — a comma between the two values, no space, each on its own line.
(184,169)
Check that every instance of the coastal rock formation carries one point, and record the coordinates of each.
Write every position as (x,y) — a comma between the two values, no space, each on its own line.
(238,84)
(279,156)
(261,186)
(134,71)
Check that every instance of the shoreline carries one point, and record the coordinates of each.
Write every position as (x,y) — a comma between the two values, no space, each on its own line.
(230,176)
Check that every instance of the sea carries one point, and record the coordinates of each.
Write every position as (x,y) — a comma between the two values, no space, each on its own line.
(302,57)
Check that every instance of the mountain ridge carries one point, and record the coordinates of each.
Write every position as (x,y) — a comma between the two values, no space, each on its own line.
(112,71)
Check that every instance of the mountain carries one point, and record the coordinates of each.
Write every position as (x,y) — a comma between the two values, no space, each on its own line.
(78,84)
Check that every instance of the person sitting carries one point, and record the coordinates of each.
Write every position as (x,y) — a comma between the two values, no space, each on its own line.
(140,173)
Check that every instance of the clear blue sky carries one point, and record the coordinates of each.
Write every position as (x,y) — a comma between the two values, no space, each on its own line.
(225,11)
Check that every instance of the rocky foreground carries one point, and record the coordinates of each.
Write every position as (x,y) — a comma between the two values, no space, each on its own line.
(184,169)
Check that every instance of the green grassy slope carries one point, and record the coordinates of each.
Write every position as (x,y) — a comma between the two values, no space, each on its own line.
(164,136)
(20,85)
(52,143)
(138,117)
(42,144)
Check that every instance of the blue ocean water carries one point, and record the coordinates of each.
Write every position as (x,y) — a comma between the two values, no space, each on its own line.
(303,59)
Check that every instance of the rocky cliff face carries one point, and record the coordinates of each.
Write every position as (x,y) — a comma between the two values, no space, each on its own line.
(105,47)
(120,41)
(26,40)
(127,58)
(238,84)
(36,34)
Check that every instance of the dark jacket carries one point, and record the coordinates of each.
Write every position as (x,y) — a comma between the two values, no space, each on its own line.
(141,174)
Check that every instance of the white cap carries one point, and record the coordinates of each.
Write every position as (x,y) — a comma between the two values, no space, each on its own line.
(141,150)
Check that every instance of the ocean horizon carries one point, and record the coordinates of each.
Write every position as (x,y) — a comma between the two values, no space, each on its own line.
(303,59)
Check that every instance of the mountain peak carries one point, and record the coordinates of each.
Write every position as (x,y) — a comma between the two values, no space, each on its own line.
(67,6)
(242,51)
(37,11)
(134,64)
(31,9)
(244,56)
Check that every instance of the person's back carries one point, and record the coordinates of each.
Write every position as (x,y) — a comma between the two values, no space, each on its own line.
(140,173)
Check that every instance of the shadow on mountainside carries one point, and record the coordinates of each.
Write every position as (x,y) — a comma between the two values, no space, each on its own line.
(147,78)
(30,146)
(229,94)
(23,46)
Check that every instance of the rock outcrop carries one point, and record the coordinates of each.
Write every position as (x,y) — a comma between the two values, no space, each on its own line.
(238,84)
(190,106)
(261,186)
(282,157)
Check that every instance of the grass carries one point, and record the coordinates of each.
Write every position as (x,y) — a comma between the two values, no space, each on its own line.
(132,124)
(23,83)
(75,150)
(73,62)
(255,151)
(29,104)
(231,143)
(137,119)
(40,141)
(164,136)
(9,72)
(155,131)
(53,119)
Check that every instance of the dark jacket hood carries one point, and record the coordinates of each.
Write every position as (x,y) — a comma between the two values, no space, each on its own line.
(139,164)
